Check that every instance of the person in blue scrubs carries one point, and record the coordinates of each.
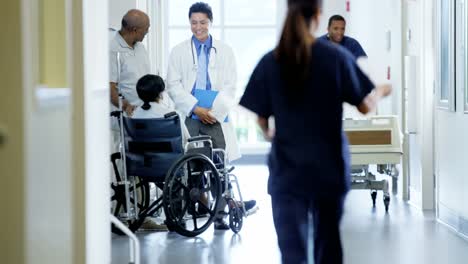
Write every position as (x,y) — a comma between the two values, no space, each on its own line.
(303,83)
(336,34)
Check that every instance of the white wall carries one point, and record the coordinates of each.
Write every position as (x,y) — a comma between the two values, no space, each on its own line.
(67,189)
(369,21)
(48,193)
(49,181)
(426,109)
(118,8)
(331,8)
(89,50)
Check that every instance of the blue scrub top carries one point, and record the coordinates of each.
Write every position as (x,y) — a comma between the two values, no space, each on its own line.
(350,44)
(309,154)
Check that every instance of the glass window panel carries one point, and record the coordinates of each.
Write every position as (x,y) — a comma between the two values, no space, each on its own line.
(444,50)
(248,12)
(245,123)
(179,9)
(249,45)
(465,35)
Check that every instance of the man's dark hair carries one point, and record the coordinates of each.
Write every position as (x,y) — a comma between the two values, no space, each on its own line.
(335,18)
(201,7)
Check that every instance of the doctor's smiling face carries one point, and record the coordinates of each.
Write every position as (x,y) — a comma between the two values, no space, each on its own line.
(200,25)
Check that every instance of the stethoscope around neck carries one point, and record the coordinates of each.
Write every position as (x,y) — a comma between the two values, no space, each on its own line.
(212,56)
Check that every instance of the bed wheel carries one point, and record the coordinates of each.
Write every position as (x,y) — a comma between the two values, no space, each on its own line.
(386,202)
(374,197)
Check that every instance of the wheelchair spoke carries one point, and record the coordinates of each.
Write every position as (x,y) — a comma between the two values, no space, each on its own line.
(200,203)
(138,185)
(181,185)
(140,205)
(182,214)
(179,199)
(195,226)
(199,180)
(117,209)
(205,190)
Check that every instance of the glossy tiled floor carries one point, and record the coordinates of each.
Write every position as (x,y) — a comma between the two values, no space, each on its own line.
(369,235)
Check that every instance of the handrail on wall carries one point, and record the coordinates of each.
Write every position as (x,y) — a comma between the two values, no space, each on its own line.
(135,246)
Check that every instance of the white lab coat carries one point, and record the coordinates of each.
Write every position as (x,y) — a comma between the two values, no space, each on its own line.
(182,74)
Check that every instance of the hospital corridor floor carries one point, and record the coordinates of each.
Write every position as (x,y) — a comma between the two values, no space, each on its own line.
(369,235)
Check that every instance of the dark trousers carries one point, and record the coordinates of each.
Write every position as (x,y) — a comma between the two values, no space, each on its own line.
(291,218)
(215,131)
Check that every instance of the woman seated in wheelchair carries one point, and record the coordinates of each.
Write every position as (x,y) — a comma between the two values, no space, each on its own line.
(150,89)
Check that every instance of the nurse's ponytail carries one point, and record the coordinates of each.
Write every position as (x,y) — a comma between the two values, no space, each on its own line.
(294,49)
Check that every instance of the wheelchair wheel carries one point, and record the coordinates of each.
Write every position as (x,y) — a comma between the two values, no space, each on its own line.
(191,194)
(119,206)
(235,216)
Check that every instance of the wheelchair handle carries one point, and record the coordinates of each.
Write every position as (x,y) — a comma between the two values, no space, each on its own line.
(199,138)
(170,114)
(116,113)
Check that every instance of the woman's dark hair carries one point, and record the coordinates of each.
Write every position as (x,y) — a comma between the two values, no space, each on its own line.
(201,7)
(294,49)
(149,89)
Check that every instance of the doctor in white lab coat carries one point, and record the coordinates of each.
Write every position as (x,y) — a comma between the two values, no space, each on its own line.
(202,62)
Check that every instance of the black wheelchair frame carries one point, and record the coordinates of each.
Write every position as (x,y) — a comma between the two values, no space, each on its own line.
(192,184)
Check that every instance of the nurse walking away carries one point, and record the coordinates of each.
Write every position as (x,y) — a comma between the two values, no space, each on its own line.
(201,65)
(303,83)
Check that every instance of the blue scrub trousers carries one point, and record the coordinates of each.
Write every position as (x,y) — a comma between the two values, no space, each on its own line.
(291,219)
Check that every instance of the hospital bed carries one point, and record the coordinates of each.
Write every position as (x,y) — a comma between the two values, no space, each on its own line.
(374,141)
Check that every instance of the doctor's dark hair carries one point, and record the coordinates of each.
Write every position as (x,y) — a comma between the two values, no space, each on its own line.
(149,89)
(293,51)
(336,18)
(201,7)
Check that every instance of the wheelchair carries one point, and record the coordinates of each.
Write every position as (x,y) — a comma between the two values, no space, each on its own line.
(193,179)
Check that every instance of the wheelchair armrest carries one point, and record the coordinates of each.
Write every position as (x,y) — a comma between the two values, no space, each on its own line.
(199,138)
(170,114)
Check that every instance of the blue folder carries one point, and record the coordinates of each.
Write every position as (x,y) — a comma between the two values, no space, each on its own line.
(205,100)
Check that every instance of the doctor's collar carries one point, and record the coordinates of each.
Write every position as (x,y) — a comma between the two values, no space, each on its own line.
(208,42)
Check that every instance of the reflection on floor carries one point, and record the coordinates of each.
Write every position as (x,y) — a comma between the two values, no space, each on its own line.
(404,235)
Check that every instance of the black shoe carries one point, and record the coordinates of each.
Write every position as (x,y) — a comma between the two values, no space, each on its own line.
(200,212)
(220,224)
(249,204)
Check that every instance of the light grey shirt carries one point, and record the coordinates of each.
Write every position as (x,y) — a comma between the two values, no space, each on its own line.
(134,63)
